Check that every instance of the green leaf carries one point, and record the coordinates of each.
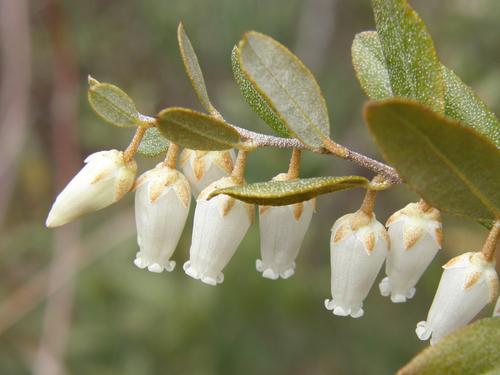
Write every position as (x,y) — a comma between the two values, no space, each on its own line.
(281,193)
(193,69)
(461,102)
(112,104)
(471,350)
(287,86)
(413,66)
(153,143)
(254,99)
(196,130)
(449,164)
(370,67)
(464,105)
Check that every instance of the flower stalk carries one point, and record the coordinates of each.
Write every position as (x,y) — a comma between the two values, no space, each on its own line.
(239,166)
(131,149)
(171,157)
(294,166)
(490,245)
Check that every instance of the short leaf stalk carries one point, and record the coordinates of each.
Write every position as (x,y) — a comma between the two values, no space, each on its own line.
(239,166)
(130,151)
(294,166)
(490,245)
(171,157)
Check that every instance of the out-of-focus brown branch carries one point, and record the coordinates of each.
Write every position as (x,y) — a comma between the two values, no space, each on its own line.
(31,294)
(65,151)
(15,49)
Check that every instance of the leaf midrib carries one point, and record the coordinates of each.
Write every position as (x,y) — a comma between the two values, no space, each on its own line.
(308,119)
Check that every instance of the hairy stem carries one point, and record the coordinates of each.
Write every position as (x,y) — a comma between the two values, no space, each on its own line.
(294,166)
(370,197)
(331,148)
(171,157)
(239,166)
(130,151)
(490,244)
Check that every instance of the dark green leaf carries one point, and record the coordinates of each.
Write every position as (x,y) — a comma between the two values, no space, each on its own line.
(112,104)
(472,350)
(281,193)
(196,130)
(153,143)
(288,87)
(193,69)
(370,67)
(254,99)
(464,105)
(449,164)
(413,66)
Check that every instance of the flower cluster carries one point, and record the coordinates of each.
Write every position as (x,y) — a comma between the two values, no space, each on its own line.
(359,243)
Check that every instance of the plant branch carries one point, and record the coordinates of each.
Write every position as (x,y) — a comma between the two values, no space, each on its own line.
(264,140)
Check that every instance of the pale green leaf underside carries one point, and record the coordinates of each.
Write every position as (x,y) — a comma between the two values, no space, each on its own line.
(287,86)
(461,103)
(254,99)
(196,130)
(370,67)
(450,165)
(471,350)
(153,143)
(113,105)
(281,193)
(464,105)
(193,69)
(413,66)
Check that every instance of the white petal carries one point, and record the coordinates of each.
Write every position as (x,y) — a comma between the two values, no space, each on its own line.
(457,299)
(215,238)
(202,168)
(102,181)
(282,231)
(160,222)
(353,268)
(405,266)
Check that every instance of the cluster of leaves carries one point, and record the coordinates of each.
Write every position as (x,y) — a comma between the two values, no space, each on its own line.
(442,139)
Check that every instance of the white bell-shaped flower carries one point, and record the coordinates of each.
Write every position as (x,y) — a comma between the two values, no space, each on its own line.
(162,200)
(105,179)
(469,282)
(219,226)
(358,247)
(282,230)
(415,236)
(202,168)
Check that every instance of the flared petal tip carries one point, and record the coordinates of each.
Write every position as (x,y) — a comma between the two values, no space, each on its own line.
(423,331)
(343,311)
(272,274)
(153,266)
(386,291)
(54,220)
(191,272)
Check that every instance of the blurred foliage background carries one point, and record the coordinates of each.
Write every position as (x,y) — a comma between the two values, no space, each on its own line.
(71,300)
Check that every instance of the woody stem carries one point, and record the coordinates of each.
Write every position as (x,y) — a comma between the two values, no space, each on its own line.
(490,244)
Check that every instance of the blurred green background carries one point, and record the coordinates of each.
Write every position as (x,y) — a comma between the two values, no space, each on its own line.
(71,300)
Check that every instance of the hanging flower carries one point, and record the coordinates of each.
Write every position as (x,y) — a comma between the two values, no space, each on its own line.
(415,236)
(496,310)
(105,179)
(282,230)
(219,226)
(469,282)
(359,245)
(201,168)
(162,200)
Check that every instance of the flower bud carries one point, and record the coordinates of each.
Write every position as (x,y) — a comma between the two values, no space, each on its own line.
(162,200)
(202,168)
(468,283)
(359,245)
(219,226)
(282,230)
(415,236)
(105,179)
